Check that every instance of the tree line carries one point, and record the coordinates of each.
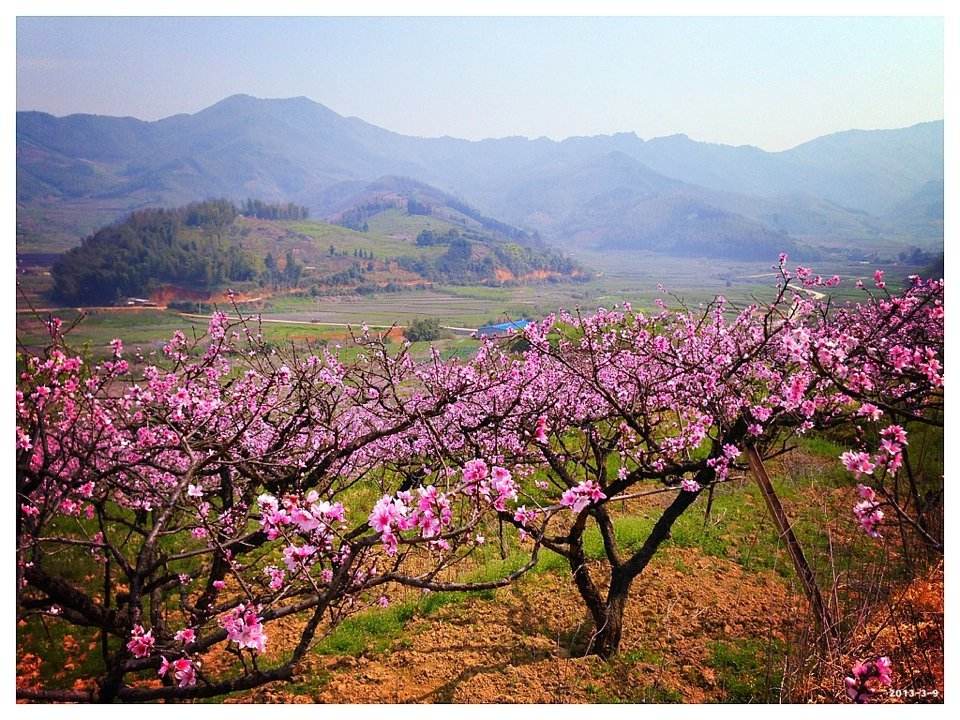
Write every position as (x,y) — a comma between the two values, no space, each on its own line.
(461,263)
(273,211)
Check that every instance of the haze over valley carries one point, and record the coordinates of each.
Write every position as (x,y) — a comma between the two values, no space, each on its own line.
(861,190)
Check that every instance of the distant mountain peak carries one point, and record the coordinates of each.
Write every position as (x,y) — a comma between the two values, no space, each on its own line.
(297,150)
(243,101)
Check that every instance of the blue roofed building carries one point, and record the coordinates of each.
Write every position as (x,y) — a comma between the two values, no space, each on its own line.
(502,328)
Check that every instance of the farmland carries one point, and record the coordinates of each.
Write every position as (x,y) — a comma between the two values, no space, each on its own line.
(631,279)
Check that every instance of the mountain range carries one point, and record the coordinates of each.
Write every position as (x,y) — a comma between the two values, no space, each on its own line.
(671,194)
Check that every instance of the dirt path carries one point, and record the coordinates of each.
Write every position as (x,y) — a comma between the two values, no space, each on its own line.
(317,323)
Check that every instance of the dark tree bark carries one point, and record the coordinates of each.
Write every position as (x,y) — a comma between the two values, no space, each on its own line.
(607,612)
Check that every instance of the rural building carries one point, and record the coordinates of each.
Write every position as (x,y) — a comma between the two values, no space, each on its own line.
(502,328)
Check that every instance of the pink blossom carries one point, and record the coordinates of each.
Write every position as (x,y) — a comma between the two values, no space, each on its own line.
(218,325)
(869,515)
(304,520)
(857,462)
(540,433)
(524,516)
(474,471)
(890,447)
(895,433)
(689,485)
(894,462)
(884,670)
(294,555)
(868,678)
(871,411)
(579,497)
(331,512)
(761,413)
(183,671)
(141,643)
(276,577)
(383,514)
(245,628)
(503,485)
(23,440)
(53,326)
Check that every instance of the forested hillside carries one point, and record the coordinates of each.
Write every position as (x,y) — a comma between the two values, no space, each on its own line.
(186,246)
(206,246)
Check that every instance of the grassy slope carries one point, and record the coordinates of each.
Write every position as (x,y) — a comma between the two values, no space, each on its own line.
(381,242)
(398,224)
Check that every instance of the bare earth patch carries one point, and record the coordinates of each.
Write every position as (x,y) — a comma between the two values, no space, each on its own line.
(515,648)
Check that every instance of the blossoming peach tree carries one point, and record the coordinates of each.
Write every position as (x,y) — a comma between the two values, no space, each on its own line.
(230,486)
(222,488)
(623,403)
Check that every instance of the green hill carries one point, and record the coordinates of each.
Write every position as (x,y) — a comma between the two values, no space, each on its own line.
(202,249)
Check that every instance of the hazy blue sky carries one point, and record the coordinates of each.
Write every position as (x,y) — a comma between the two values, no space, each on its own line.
(771,82)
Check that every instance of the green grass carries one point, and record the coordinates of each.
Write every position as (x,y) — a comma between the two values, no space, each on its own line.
(376,630)
(477,292)
(309,684)
(149,329)
(747,669)
(631,531)
(820,446)
(45,637)
(368,632)
(622,687)
(397,222)
(377,240)
(633,694)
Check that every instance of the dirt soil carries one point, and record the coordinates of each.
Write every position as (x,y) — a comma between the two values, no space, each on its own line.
(514,648)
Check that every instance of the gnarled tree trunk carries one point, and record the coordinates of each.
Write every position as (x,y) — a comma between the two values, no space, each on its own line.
(607,612)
